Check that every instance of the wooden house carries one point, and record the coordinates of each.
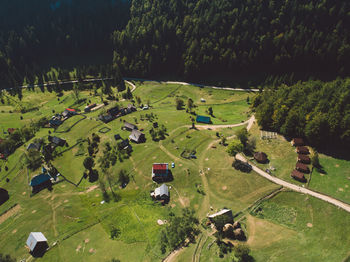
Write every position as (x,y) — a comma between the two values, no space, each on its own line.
(302,167)
(304,159)
(298,176)
(302,150)
(261,157)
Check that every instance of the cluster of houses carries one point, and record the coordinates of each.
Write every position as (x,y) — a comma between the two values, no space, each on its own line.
(135,135)
(116,112)
(303,160)
(58,119)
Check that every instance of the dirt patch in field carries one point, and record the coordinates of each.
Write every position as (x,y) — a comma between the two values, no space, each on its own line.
(154,157)
(182,139)
(91,250)
(97,195)
(63,186)
(78,248)
(173,205)
(137,187)
(341,189)
(207,159)
(87,241)
(224,188)
(66,201)
(309,225)
(34,211)
(14,231)
(180,164)
(92,188)
(24,193)
(336,165)
(9,213)
(346,186)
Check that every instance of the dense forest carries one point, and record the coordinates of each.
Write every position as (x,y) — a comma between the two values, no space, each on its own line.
(318,111)
(37,33)
(196,38)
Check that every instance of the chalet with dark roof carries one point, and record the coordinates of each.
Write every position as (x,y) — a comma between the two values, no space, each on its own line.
(302,167)
(304,159)
(302,150)
(106,118)
(298,176)
(113,111)
(261,157)
(297,142)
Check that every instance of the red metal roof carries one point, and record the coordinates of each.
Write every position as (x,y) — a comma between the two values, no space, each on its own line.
(71,110)
(11,130)
(160,167)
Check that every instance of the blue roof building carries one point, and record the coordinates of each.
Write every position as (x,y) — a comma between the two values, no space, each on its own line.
(39,179)
(203,119)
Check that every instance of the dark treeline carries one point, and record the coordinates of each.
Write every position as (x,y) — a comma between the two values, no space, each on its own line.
(35,33)
(196,38)
(317,111)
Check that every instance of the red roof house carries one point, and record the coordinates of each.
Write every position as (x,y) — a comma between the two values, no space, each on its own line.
(304,159)
(70,110)
(302,150)
(160,171)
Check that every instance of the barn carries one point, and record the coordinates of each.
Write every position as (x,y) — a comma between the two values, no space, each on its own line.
(37,244)
(4,196)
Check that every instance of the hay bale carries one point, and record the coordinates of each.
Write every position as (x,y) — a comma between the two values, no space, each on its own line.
(236,225)
(239,234)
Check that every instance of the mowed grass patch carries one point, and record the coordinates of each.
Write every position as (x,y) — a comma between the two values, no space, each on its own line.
(334,179)
(316,223)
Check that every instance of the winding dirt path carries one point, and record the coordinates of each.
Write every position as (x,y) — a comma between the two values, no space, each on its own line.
(296,188)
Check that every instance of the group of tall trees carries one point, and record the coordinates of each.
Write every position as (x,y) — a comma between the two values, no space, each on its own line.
(196,38)
(40,33)
(318,111)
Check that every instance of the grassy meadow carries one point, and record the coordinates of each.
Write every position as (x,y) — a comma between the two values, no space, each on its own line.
(78,226)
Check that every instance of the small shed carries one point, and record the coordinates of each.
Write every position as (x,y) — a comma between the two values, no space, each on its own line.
(302,168)
(203,119)
(129,127)
(297,142)
(4,196)
(117,137)
(298,176)
(261,157)
(37,243)
(137,136)
(304,159)
(302,150)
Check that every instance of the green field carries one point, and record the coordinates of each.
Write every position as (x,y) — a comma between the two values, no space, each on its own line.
(75,220)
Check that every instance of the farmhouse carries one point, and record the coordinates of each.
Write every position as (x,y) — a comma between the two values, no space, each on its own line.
(297,142)
(302,168)
(69,113)
(261,157)
(203,119)
(298,176)
(129,127)
(226,214)
(113,111)
(37,244)
(106,118)
(161,193)
(304,159)
(302,150)
(137,136)
(160,171)
(40,182)
(57,141)
(4,196)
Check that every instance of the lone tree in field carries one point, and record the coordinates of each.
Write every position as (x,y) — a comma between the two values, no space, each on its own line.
(179,103)
(210,111)
(235,147)
(190,104)
(243,135)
